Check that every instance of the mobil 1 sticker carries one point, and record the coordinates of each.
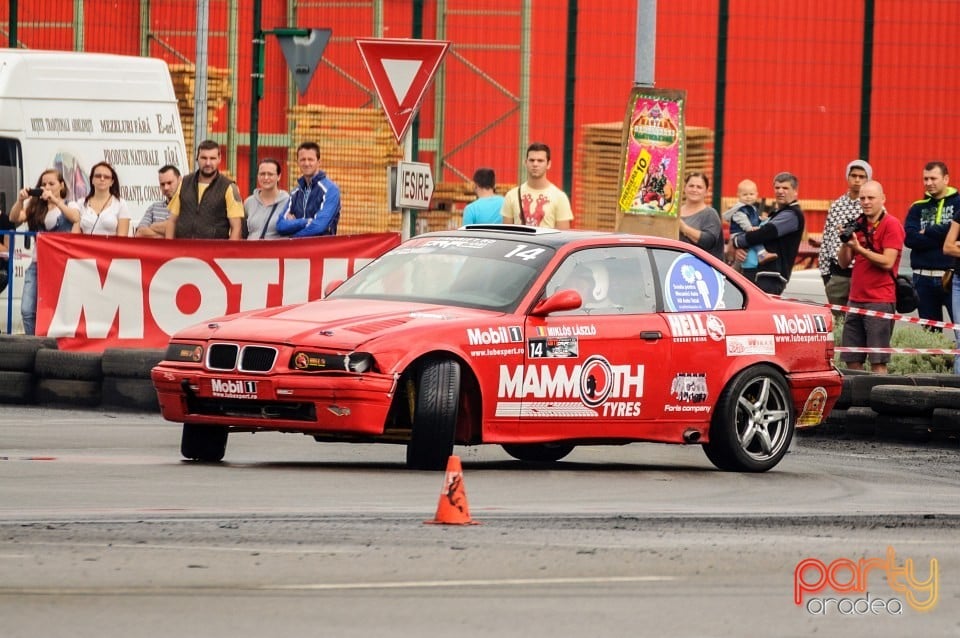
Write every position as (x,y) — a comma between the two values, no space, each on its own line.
(552,347)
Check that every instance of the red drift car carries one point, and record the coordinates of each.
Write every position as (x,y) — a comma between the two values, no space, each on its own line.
(536,340)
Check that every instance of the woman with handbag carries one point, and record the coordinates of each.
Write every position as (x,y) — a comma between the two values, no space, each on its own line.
(44,209)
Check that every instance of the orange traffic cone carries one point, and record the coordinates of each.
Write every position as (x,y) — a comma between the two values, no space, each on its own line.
(452,508)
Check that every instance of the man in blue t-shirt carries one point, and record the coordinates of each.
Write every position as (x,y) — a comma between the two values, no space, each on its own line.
(486,208)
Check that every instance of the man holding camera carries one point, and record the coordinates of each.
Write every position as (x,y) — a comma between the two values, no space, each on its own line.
(927,223)
(872,243)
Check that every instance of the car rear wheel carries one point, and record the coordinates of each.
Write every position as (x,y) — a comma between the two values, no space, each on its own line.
(539,452)
(753,422)
(434,415)
(203,442)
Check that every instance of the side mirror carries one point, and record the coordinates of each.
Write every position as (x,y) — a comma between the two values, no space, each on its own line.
(560,301)
(333,285)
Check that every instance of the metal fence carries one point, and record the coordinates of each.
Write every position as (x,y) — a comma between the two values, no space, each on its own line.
(801,86)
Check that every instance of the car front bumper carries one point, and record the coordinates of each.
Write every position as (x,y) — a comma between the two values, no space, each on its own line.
(311,403)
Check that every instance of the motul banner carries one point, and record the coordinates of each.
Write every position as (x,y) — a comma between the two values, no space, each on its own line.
(99,292)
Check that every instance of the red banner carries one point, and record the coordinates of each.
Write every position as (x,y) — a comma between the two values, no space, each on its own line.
(104,292)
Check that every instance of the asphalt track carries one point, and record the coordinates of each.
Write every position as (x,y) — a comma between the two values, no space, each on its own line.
(105,532)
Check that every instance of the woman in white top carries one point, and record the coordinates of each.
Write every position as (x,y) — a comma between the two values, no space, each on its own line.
(44,209)
(103,212)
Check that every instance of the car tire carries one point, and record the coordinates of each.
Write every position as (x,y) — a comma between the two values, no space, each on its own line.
(16,387)
(18,356)
(861,386)
(860,421)
(434,415)
(903,400)
(71,392)
(130,394)
(945,424)
(130,363)
(207,443)
(538,452)
(903,428)
(61,364)
(743,440)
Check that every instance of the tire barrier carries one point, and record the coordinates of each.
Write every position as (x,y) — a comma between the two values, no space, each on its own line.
(919,408)
(33,370)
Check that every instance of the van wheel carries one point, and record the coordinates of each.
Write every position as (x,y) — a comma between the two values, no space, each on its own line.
(434,416)
(538,452)
(206,443)
(753,422)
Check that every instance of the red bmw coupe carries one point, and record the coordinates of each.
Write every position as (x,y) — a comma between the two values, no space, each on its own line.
(536,340)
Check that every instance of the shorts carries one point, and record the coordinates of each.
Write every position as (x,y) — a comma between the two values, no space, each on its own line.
(838,289)
(861,331)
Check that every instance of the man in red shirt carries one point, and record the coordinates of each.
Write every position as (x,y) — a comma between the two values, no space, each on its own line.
(874,250)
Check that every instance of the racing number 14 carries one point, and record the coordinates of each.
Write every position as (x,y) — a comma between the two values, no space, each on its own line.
(536,349)
(521,252)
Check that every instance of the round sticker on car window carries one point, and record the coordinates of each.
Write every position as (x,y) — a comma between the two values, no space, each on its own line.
(692,285)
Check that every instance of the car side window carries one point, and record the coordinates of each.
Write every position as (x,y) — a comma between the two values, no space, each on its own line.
(611,281)
(690,284)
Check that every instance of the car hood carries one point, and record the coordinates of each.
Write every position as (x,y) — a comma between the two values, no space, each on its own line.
(333,323)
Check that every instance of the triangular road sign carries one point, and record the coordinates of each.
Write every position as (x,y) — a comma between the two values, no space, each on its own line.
(303,53)
(402,71)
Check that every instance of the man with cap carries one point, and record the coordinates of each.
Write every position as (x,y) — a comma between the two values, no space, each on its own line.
(927,224)
(843,210)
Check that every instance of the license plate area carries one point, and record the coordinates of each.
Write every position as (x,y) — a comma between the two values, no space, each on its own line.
(233,388)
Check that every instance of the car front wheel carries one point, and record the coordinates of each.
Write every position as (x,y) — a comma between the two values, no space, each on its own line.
(434,415)
(203,442)
(753,422)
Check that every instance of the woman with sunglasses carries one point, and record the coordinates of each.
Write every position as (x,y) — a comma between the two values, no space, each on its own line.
(103,212)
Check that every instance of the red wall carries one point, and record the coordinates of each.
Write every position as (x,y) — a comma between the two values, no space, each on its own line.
(793,78)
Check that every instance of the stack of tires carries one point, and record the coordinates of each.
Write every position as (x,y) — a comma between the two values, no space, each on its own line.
(126,379)
(19,354)
(68,378)
(918,407)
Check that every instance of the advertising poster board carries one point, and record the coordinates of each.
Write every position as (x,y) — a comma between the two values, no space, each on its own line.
(652,157)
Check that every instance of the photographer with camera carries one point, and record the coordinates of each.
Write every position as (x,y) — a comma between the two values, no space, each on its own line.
(872,243)
(926,225)
(44,209)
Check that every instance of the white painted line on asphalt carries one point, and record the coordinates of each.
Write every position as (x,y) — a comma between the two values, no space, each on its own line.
(499,582)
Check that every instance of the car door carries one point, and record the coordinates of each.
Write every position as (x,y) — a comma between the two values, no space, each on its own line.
(593,372)
(700,307)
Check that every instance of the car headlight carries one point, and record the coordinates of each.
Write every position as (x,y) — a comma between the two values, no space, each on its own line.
(359,362)
(184,353)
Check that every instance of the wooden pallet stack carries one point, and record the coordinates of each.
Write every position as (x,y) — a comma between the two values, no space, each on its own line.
(184,77)
(599,165)
(356,147)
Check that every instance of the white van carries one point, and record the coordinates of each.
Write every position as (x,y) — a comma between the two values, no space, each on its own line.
(69,111)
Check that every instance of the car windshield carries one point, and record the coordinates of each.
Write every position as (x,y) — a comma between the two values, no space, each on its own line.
(473,272)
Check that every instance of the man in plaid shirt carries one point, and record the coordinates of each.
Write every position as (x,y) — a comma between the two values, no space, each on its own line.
(844,209)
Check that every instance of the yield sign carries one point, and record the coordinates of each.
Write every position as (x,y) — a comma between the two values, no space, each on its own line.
(402,71)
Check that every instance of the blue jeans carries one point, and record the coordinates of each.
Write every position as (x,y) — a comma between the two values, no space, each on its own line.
(28,302)
(956,313)
(932,298)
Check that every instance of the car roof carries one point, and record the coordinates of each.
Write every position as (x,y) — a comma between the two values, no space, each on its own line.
(546,236)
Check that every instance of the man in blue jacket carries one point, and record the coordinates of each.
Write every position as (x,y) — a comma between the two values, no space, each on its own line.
(927,223)
(314,205)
